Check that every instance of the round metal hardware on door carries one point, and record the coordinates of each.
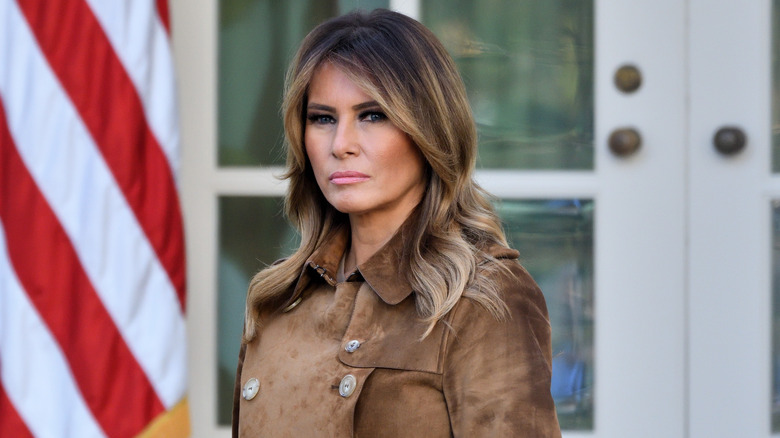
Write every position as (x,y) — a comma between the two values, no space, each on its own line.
(628,78)
(729,140)
(625,142)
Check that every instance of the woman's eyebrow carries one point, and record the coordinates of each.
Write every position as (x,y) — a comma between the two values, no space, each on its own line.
(358,107)
(364,105)
(317,106)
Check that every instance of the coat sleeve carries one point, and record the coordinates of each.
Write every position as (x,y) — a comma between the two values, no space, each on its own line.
(237,389)
(496,374)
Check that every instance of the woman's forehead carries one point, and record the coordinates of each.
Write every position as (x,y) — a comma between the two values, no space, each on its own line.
(359,77)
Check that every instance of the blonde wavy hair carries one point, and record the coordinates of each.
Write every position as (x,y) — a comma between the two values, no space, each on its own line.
(403,66)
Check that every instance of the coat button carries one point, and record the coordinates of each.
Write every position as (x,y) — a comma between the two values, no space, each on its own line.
(352,345)
(347,386)
(251,388)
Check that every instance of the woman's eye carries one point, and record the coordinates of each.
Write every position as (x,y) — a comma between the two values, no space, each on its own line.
(373,116)
(320,119)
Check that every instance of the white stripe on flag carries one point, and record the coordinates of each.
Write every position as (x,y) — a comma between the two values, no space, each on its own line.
(73,177)
(142,45)
(34,372)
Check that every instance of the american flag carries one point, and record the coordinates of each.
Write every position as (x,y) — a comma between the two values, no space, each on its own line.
(92,273)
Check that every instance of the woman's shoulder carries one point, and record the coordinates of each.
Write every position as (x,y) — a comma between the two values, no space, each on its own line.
(525,324)
(513,284)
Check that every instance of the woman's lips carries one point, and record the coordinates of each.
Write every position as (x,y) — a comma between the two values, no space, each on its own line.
(347,177)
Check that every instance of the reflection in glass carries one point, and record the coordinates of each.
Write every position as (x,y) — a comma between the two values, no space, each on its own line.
(253,233)
(257,39)
(555,240)
(528,68)
(775,86)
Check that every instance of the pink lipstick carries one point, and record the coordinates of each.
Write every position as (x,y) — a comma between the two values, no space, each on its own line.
(347,177)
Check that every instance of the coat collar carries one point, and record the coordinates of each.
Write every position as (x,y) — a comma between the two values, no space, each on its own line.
(387,270)
(384,271)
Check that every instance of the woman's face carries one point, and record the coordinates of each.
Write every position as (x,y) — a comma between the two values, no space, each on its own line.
(364,165)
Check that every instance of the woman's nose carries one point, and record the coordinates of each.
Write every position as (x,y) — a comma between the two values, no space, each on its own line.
(345,140)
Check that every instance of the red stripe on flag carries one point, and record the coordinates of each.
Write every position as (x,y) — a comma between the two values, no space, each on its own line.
(112,382)
(11,424)
(162,11)
(104,95)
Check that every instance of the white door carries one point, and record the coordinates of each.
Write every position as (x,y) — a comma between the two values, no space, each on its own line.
(640,249)
(733,237)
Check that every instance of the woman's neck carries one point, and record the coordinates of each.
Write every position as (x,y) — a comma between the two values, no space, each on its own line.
(369,234)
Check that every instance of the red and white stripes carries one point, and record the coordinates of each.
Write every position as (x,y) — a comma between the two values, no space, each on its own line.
(92,286)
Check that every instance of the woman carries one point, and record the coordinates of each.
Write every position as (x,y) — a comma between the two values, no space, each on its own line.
(403,312)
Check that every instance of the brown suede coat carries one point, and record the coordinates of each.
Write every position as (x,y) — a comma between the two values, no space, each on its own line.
(473,376)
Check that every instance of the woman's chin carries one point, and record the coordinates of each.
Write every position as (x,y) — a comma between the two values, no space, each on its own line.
(348,205)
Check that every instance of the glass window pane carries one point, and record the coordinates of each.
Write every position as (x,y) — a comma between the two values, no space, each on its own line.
(555,240)
(253,233)
(528,69)
(257,39)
